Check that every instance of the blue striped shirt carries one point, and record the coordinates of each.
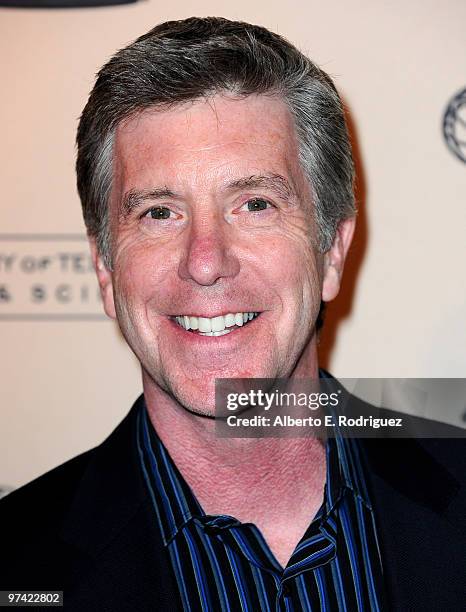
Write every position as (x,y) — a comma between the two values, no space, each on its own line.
(221,564)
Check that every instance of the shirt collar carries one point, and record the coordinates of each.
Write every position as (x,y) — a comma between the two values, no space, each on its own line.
(344,457)
(344,469)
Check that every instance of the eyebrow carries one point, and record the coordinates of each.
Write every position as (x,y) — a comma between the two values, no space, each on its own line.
(276,183)
(135,198)
(273,182)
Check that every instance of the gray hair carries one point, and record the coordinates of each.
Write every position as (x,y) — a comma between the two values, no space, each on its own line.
(181,61)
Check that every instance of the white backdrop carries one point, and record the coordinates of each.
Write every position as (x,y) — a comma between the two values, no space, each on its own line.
(65,384)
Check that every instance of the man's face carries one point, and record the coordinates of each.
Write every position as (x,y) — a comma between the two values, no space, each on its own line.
(211,221)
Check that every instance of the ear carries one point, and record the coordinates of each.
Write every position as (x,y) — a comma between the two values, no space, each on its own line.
(334,259)
(104,276)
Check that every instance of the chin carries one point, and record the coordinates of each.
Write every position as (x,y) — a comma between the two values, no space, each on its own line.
(198,396)
(196,402)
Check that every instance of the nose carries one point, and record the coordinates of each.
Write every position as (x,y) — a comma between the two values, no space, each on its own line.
(208,255)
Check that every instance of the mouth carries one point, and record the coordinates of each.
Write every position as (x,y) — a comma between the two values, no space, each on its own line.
(215,326)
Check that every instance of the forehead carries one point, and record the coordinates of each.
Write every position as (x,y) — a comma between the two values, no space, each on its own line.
(217,135)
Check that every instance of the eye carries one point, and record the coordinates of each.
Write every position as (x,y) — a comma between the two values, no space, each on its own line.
(257,204)
(158,212)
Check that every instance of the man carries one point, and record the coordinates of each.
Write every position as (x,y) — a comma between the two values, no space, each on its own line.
(216,175)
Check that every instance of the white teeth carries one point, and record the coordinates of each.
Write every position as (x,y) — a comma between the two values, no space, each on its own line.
(218,333)
(239,319)
(222,333)
(229,320)
(215,326)
(204,324)
(218,324)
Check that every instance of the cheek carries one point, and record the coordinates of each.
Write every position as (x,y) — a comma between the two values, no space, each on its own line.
(141,269)
(293,268)
(132,290)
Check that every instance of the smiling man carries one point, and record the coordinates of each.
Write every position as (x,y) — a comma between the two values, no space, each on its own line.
(216,180)
(216,269)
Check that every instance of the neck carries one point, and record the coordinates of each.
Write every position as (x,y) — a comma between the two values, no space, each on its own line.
(252,479)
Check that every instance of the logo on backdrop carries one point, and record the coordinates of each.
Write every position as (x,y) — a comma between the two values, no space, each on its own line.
(47,277)
(454,125)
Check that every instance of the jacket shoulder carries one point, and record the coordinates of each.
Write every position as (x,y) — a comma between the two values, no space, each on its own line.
(45,497)
(46,525)
(31,517)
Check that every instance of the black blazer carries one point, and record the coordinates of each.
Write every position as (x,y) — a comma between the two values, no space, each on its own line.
(87,528)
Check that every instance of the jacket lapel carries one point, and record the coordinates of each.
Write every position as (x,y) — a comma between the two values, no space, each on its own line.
(122,563)
(417,511)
